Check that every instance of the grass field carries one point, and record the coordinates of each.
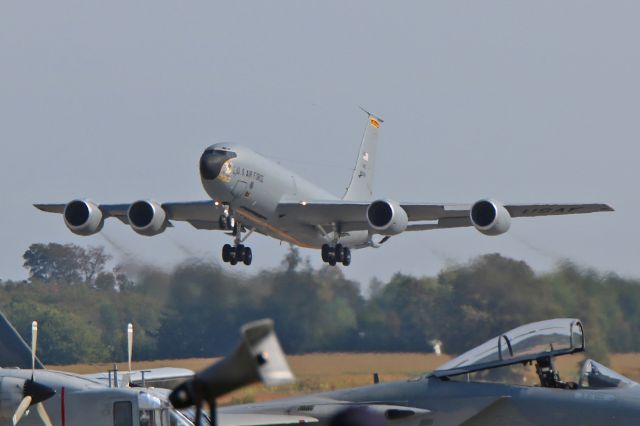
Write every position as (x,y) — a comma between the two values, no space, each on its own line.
(324,372)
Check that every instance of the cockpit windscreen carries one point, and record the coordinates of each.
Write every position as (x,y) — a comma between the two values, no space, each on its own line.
(528,342)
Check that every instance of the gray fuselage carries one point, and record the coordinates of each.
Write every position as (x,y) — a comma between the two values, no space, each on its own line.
(457,402)
(253,186)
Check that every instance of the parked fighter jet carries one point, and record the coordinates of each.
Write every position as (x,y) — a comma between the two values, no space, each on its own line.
(251,193)
(450,395)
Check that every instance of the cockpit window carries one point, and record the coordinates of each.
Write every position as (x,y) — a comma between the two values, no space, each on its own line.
(122,413)
(529,342)
(212,160)
(596,376)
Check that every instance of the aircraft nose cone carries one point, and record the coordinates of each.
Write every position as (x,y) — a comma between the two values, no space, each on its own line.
(210,165)
(37,391)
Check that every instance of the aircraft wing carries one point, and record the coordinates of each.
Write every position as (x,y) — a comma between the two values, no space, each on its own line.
(352,215)
(251,419)
(164,377)
(310,411)
(200,214)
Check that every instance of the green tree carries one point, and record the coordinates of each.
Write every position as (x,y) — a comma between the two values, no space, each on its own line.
(66,263)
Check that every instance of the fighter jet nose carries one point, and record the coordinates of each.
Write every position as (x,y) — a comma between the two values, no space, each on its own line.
(37,391)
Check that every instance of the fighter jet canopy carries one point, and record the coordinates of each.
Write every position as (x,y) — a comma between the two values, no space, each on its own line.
(529,342)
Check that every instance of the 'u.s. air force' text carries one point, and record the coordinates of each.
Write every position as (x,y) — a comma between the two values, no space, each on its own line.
(250,174)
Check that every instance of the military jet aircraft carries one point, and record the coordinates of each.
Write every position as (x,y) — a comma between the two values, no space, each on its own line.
(451,395)
(251,193)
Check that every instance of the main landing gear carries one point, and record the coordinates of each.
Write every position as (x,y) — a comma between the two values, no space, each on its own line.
(236,254)
(336,254)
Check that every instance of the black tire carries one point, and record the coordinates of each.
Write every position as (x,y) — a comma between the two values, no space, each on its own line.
(325,251)
(226,253)
(247,256)
(332,261)
(339,252)
(240,250)
(233,261)
(346,257)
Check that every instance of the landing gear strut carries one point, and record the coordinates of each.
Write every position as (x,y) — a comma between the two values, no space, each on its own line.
(336,254)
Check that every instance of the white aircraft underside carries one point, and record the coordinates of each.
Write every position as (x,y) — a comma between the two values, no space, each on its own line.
(250,193)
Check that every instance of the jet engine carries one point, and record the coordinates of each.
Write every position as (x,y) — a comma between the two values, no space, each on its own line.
(387,217)
(83,217)
(147,218)
(490,217)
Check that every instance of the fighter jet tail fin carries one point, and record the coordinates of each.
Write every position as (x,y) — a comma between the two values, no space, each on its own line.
(14,351)
(361,185)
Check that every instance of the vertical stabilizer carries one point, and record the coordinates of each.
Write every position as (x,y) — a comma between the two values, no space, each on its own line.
(361,185)
(14,351)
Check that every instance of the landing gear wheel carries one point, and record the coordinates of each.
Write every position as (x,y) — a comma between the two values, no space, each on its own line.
(332,261)
(339,252)
(226,253)
(326,251)
(240,251)
(247,256)
(231,222)
(346,257)
(233,261)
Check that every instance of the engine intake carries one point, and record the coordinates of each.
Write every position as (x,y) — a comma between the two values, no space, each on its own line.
(490,217)
(387,217)
(147,218)
(83,217)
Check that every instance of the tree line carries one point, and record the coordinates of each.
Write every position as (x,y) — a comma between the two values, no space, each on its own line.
(195,309)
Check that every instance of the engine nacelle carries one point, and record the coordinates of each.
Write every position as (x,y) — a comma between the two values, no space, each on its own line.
(147,218)
(490,217)
(11,389)
(387,217)
(83,217)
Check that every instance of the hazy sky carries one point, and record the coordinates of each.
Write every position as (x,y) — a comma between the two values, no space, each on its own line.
(520,101)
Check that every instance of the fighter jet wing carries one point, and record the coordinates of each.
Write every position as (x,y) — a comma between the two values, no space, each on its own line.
(200,214)
(352,215)
(239,419)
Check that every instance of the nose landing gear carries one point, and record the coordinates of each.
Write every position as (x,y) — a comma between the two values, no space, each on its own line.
(336,254)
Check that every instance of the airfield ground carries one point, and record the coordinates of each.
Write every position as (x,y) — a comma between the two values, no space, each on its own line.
(324,372)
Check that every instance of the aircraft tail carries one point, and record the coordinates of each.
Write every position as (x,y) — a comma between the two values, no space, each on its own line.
(14,351)
(361,185)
